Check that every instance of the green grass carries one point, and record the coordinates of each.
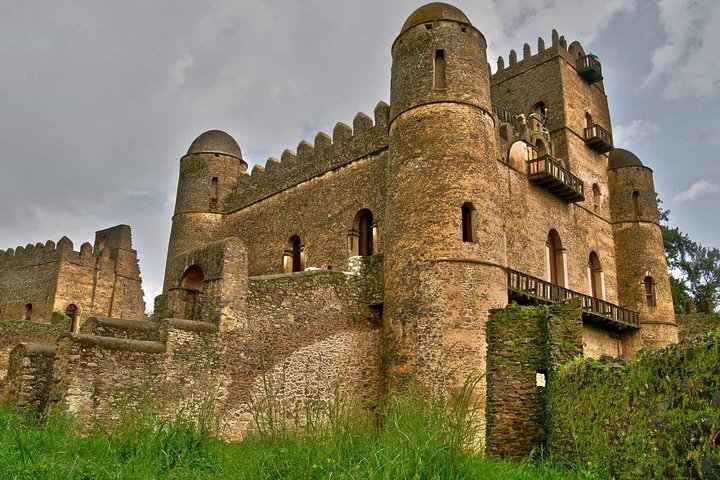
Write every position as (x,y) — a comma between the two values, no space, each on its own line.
(415,441)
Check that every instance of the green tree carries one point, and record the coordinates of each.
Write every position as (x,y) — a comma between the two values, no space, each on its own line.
(694,268)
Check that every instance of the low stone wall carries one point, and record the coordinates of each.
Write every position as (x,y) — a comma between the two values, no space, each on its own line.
(525,346)
(656,416)
(29,374)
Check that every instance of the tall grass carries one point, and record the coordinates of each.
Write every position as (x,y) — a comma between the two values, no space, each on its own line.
(414,437)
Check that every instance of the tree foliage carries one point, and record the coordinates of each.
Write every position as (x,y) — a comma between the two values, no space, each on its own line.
(694,269)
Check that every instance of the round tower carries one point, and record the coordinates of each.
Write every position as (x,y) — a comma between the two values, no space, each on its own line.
(444,248)
(642,272)
(208,173)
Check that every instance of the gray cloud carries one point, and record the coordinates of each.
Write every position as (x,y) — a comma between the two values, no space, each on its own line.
(100,99)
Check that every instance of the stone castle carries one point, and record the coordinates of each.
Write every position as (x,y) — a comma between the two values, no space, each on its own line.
(376,256)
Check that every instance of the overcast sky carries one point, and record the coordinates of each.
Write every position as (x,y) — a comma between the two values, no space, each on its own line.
(99,99)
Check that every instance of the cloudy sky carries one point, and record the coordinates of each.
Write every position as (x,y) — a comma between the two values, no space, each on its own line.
(99,99)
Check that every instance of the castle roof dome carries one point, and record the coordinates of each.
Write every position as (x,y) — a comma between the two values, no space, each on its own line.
(435,11)
(623,158)
(215,141)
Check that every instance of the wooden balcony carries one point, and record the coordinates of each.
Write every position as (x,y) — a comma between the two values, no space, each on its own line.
(547,172)
(599,139)
(595,310)
(589,68)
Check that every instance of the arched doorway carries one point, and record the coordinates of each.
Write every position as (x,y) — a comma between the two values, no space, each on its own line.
(555,257)
(365,233)
(596,276)
(192,283)
(293,258)
(72,312)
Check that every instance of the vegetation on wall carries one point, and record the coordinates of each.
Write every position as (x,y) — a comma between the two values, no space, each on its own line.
(657,416)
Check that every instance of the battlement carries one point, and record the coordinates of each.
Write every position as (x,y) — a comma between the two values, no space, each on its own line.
(347,144)
(529,60)
(102,255)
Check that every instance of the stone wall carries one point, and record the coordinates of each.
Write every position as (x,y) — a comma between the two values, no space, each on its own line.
(526,345)
(13,333)
(656,416)
(29,375)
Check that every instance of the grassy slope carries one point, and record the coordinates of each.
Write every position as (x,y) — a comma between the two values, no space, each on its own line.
(415,442)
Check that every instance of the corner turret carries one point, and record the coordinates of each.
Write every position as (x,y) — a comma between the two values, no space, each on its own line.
(208,173)
(643,278)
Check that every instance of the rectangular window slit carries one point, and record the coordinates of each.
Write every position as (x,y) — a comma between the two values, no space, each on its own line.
(439,68)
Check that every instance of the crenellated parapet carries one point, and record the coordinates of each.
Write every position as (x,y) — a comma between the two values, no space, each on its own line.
(558,46)
(364,138)
(50,252)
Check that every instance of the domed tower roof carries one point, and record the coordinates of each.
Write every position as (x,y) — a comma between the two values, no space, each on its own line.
(435,11)
(623,158)
(215,141)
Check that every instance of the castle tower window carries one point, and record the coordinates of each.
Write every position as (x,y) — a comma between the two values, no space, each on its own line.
(468,223)
(28,312)
(588,119)
(596,277)
(555,259)
(214,191)
(636,205)
(596,197)
(293,259)
(540,148)
(440,69)
(649,286)
(540,111)
(193,279)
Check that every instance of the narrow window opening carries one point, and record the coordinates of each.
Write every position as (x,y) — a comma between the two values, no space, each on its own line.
(468,230)
(440,69)
(649,285)
(637,207)
(596,197)
(296,254)
(540,111)
(596,276)
(28,311)
(428,26)
(540,148)
(214,192)
(588,119)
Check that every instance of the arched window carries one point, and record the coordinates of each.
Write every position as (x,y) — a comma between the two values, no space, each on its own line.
(468,222)
(597,197)
(588,119)
(72,312)
(636,205)
(555,256)
(365,234)
(519,154)
(193,279)
(439,81)
(649,286)
(293,259)
(28,311)
(597,287)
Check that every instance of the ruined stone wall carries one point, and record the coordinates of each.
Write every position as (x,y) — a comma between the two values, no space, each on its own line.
(29,373)
(526,345)
(15,332)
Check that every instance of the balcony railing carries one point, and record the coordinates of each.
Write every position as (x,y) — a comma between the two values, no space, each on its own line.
(599,139)
(504,115)
(594,309)
(589,68)
(547,172)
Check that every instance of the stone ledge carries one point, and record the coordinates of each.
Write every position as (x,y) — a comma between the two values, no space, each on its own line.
(192,325)
(121,344)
